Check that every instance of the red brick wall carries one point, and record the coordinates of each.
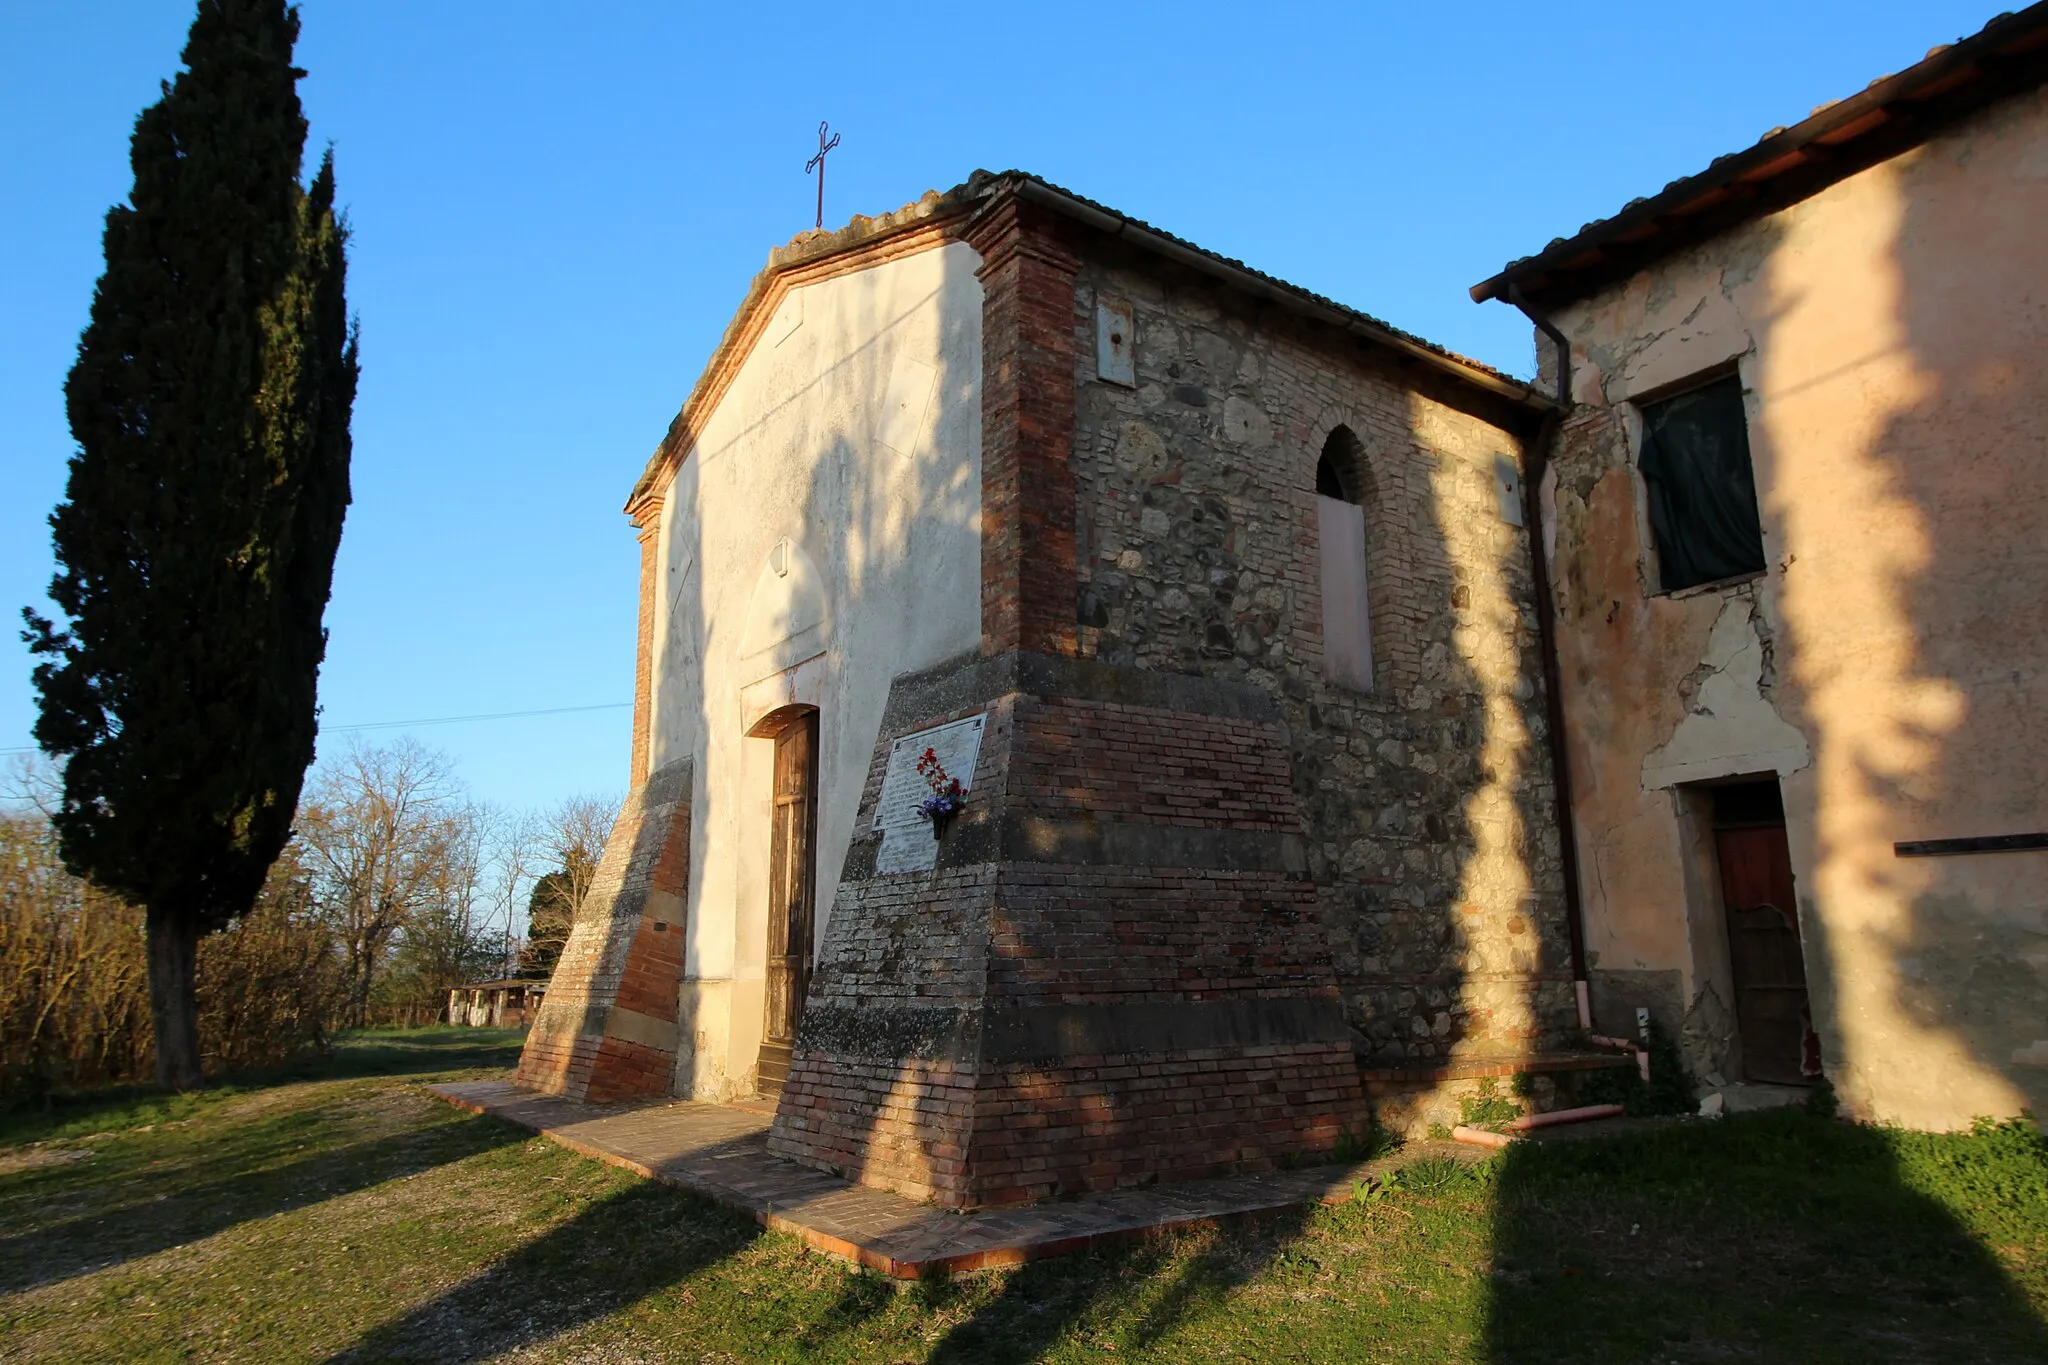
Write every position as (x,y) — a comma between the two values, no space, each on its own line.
(893,1125)
(1198,554)
(653,968)
(1028,580)
(1163,767)
(1130,874)
(1013,934)
(1100,1123)
(629,1071)
(671,874)
(648,523)
(624,956)
(557,1065)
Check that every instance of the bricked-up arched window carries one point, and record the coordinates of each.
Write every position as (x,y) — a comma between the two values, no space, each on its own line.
(1343,491)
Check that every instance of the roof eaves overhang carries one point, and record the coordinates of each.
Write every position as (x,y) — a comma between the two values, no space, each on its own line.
(1291,298)
(808,255)
(1889,116)
(948,215)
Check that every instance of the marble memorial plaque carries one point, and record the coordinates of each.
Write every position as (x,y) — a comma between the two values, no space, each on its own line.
(907,843)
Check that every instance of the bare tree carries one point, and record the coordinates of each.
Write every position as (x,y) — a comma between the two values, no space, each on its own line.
(572,837)
(73,999)
(33,786)
(387,844)
(513,846)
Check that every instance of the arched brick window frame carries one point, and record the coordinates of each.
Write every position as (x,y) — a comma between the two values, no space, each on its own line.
(1350,539)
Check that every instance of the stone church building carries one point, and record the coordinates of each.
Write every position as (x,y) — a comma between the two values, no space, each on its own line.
(1286,799)
(1217,598)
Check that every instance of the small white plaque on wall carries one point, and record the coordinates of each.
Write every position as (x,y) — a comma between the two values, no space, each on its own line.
(1507,480)
(907,842)
(1116,338)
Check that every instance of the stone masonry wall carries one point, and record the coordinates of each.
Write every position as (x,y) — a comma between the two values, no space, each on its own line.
(1427,802)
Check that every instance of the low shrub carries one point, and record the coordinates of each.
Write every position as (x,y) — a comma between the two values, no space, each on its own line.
(74,984)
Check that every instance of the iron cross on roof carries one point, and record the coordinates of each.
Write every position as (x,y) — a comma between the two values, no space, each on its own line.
(817,163)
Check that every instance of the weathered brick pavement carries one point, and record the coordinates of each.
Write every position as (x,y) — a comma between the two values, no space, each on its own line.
(720,1151)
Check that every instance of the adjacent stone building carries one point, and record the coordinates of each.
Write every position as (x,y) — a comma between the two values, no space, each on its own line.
(1800,538)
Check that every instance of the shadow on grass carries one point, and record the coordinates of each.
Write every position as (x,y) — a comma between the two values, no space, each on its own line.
(1123,1297)
(637,1242)
(408,1052)
(863,1297)
(109,1235)
(367,1053)
(1776,1236)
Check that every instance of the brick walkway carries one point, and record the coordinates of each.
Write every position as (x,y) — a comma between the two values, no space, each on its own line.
(720,1151)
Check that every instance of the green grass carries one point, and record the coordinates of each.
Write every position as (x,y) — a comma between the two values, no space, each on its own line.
(341,1213)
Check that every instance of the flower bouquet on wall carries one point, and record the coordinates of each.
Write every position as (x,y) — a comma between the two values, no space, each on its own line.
(948,797)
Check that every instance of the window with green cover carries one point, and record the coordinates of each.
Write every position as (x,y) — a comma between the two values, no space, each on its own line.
(1695,461)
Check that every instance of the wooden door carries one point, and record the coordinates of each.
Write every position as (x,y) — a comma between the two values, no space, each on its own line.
(792,893)
(1765,956)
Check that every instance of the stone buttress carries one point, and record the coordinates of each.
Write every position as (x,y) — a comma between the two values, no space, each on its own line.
(607,1029)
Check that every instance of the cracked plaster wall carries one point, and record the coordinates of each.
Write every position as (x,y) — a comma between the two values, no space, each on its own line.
(1891,663)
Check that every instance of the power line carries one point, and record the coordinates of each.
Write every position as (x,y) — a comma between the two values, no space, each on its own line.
(432,720)
(494,715)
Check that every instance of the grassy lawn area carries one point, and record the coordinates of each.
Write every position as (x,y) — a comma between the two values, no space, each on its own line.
(341,1213)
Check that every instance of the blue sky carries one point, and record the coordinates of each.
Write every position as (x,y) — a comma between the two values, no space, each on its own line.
(557,207)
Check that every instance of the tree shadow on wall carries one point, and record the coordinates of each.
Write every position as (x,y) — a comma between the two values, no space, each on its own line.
(1910,653)
(1946,561)
(1417,798)
(884,528)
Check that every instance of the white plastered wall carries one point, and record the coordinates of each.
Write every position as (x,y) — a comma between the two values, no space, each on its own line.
(852,432)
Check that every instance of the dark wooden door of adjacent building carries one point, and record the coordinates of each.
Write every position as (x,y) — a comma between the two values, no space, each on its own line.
(1764,953)
(792,894)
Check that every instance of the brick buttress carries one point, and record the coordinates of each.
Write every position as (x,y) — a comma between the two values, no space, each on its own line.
(606,1029)
(1116,971)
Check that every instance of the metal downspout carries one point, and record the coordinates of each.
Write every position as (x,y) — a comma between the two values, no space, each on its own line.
(1546,634)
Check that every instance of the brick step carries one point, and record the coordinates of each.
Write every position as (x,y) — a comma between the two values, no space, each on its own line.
(772,1069)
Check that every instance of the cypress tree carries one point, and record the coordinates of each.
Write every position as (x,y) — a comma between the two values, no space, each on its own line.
(195,546)
(550,911)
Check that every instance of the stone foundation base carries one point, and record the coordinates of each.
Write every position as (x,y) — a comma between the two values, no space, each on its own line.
(1019,1134)
(1410,1103)
(1116,973)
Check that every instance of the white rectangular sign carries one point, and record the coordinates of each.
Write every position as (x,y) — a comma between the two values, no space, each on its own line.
(907,843)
